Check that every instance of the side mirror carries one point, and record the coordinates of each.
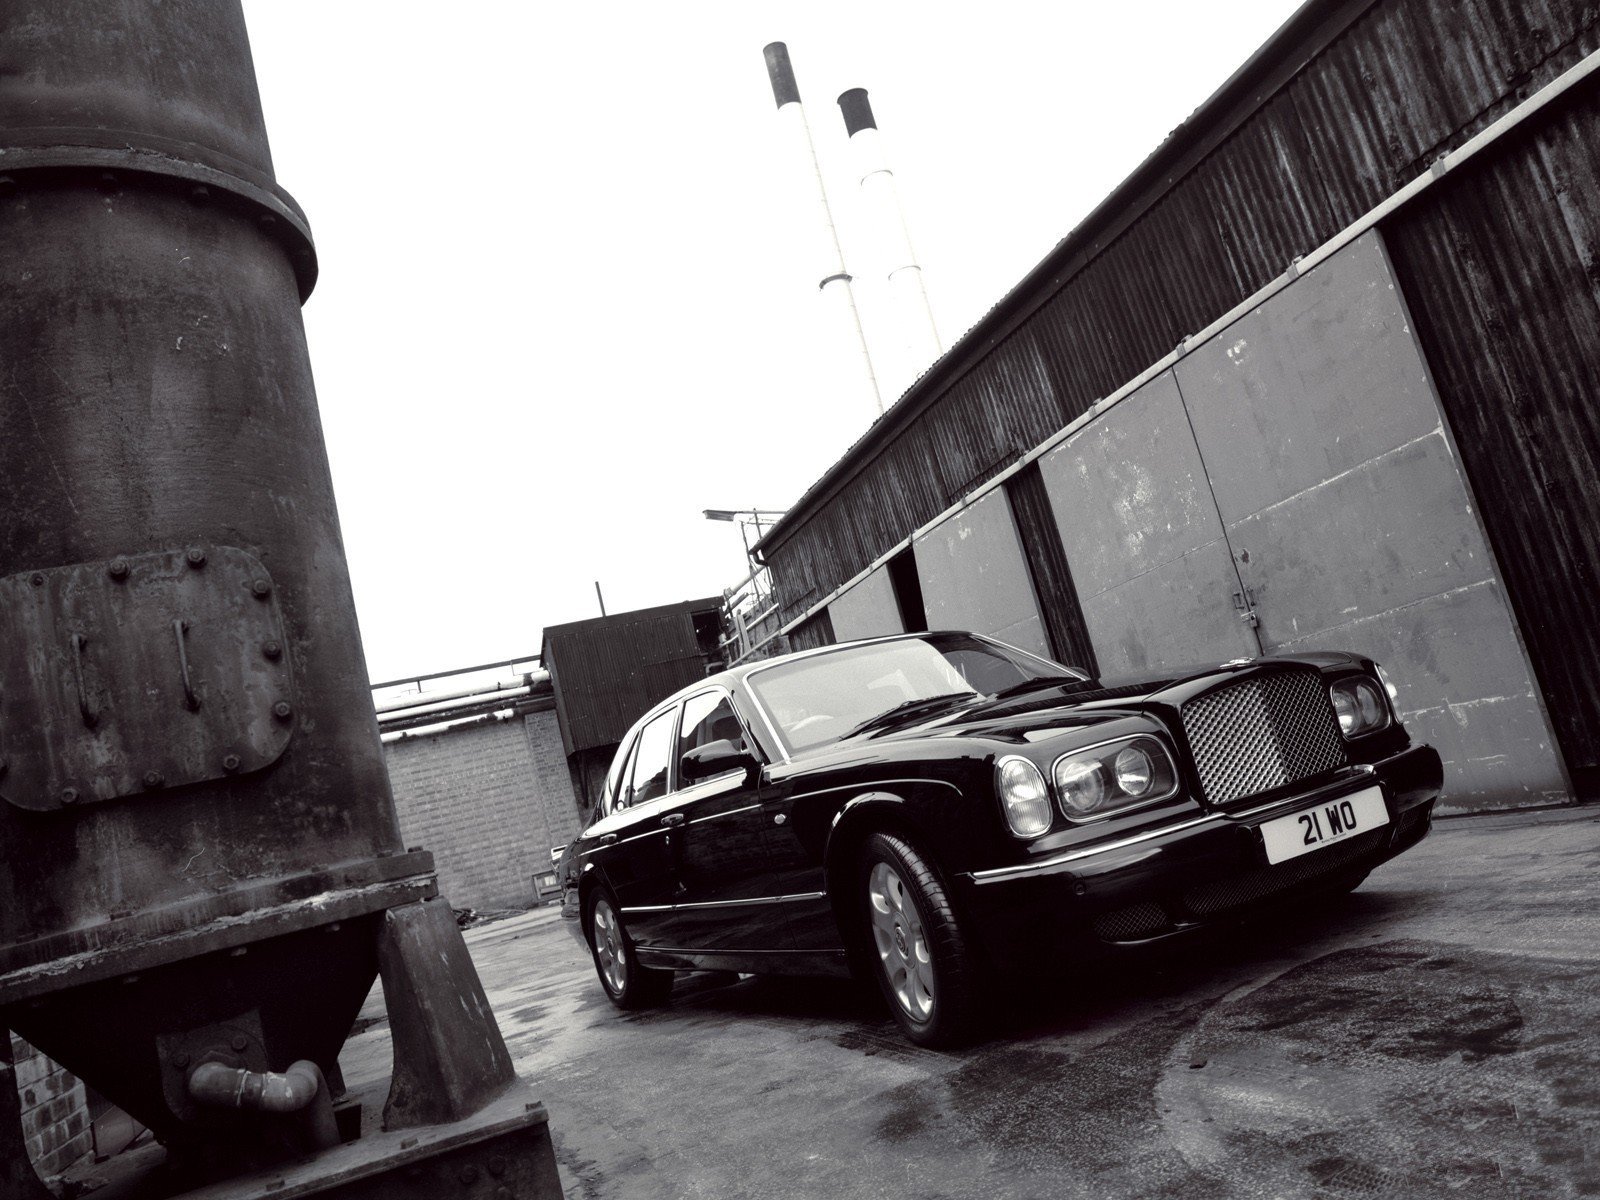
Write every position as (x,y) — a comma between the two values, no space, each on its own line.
(716,758)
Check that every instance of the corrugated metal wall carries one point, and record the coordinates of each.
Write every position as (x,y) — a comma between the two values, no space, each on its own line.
(1502,271)
(607,671)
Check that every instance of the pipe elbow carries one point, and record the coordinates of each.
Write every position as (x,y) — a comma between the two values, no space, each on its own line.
(292,1091)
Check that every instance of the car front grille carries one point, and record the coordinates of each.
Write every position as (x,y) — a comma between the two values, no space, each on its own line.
(1261,733)
(1224,895)
(1133,923)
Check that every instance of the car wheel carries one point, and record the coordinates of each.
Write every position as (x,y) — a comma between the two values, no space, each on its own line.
(915,944)
(626,983)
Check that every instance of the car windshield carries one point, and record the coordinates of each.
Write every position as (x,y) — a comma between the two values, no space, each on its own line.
(825,697)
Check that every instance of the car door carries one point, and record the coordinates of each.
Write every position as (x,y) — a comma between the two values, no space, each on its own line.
(720,856)
(632,851)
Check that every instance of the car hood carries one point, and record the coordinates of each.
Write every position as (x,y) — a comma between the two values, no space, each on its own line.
(1076,703)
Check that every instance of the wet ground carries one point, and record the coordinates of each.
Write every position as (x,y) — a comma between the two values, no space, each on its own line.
(1435,1034)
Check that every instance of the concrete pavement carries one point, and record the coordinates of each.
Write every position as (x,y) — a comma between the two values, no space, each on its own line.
(1436,1034)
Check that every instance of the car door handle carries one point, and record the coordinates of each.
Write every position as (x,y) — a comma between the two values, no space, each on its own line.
(608,839)
(672,819)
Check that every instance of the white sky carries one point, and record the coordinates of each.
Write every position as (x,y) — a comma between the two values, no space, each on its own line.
(564,304)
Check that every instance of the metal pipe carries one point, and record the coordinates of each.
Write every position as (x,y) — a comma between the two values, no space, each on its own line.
(504,662)
(504,685)
(835,281)
(487,697)
(300,1089)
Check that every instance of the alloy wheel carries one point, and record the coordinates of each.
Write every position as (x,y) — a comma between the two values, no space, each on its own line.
(901,941)
(608,947)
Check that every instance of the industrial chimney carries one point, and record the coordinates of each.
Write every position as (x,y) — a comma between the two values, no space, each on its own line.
(834,281)
(201,870)
(882,201)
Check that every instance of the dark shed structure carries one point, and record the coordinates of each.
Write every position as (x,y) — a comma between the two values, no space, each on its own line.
(607,671)
(1498,262)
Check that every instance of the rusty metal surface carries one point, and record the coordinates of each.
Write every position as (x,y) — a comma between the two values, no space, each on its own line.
(1502,286)
(445,1068)
(74,102)
(503,1152)
(286,997)
(157,394)
(138,942)
(124,677)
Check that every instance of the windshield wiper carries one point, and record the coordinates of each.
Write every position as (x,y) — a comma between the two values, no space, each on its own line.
(1036,683)
(907,707)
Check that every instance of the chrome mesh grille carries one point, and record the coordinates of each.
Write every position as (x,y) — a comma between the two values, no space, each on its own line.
(1261,733)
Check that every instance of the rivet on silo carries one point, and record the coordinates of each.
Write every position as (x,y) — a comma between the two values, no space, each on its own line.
(195,556)
(260,588)
(230,763)
(282,710)
(118,569)
(272,650)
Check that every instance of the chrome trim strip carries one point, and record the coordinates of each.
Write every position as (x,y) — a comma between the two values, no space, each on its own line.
(1362,771)
(732,812)
(996,874)
(650,908)
(868,786)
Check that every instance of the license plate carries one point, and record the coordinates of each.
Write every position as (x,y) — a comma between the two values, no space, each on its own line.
(1324,824)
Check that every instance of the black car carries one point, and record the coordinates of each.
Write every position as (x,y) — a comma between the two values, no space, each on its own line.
(928,807)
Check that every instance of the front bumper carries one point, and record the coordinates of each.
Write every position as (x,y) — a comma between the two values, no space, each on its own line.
(1204,868)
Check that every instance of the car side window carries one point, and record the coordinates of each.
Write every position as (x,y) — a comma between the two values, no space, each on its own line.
(614,795)
(708,717)
(652,759)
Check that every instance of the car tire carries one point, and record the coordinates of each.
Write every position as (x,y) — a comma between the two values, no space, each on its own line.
(627,984)
(914,944)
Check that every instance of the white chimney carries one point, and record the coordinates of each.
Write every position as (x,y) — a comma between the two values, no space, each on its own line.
(833,281)
(882,201)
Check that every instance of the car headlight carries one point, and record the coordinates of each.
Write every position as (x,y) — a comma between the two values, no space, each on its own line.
(1121,774)
(1359,705)
(1024,796)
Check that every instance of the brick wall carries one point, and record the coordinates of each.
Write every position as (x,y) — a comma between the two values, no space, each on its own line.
(55,1111)
(489,801)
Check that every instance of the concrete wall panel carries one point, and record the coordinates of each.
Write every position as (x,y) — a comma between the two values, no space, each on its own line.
(1141,532)
(974,577)
(1347,516)
(867,610)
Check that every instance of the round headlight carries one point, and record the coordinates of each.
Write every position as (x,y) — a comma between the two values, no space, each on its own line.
(1371,705)
(1082,784)
(1024,796)
(1347,709)
(1135,771)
